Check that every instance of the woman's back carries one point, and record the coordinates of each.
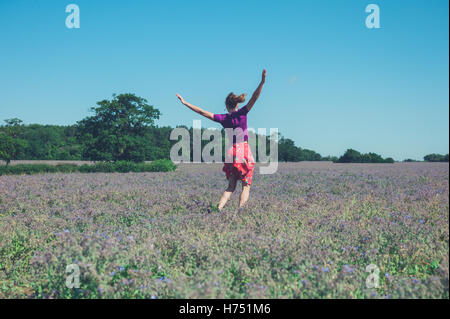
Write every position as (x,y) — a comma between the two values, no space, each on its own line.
(237,121)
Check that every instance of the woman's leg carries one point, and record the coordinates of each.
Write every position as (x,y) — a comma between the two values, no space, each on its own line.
(244,194)
(227,194)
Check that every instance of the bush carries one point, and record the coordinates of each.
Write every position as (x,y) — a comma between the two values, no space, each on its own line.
(125,167)
(162,165)
(69,168)
(85,168)
(28,169)
(350,156)
(353,156)
(101,167)
(436,158)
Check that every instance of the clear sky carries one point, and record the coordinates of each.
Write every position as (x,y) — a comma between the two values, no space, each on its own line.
(332,83)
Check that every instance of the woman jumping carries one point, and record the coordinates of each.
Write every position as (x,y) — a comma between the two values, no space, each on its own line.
(243,162)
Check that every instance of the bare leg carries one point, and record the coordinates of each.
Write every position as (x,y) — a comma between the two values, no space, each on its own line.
(227,194)
(244,194)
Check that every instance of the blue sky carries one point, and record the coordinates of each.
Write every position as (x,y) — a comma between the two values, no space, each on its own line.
(332,83)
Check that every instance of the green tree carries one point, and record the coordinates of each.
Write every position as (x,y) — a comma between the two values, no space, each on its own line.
(436,158)
(118,129)
(309,155)
(11,143)
(50,142)
(371,158)
(351,156)
(287,151)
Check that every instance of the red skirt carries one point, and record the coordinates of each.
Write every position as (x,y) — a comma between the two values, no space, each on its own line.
(243,162)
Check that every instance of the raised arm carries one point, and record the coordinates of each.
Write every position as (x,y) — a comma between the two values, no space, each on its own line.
(196,109)
(257,91)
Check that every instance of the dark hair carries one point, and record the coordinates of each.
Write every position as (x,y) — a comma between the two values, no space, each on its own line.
(233,99)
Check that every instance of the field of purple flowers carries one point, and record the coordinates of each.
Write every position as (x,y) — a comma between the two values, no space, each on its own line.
(309,231)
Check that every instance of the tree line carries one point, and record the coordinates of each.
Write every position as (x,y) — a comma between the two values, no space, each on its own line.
(353,156)
(436,158)
(123,129)
(120,129)
(55,142)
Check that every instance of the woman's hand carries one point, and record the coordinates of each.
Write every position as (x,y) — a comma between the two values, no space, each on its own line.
(257,91)
(264,73)
(180,98)
(196,109)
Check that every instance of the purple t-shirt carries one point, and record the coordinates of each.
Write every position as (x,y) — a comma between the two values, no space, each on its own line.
(237,119)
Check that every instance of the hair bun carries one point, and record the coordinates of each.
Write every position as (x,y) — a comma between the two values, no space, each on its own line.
(233,99)
(240,98)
